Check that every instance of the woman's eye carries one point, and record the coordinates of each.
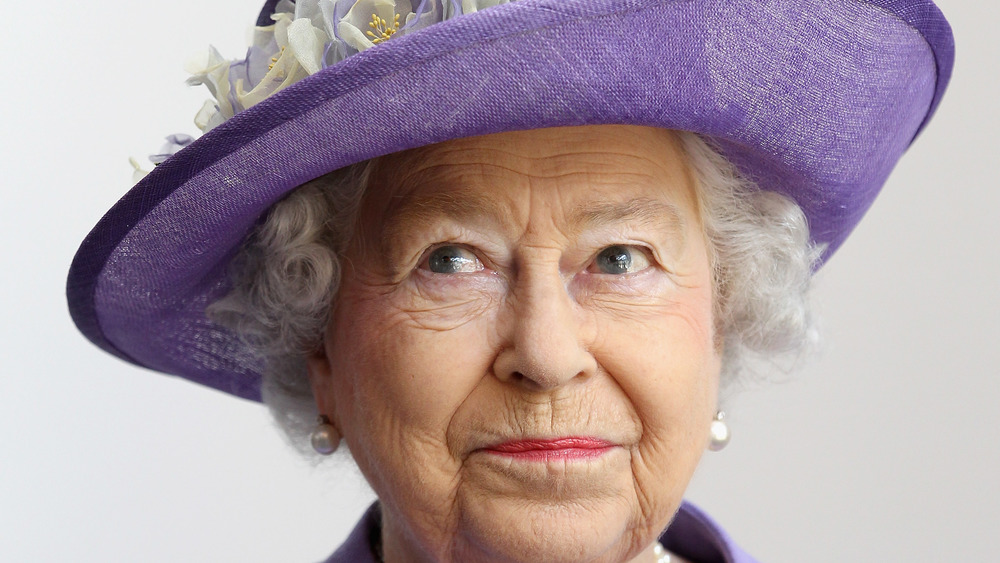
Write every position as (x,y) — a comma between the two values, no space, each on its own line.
(452,260)
(620,260)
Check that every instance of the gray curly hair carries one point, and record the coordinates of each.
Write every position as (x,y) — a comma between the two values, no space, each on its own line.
(287,274)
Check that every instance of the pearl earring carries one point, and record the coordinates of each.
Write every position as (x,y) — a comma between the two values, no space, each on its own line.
(325,438)
(718,432)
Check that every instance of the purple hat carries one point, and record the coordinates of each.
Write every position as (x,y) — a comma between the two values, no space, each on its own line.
(815,99)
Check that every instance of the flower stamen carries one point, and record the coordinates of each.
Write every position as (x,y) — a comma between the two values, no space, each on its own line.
(274,59)
(382,29)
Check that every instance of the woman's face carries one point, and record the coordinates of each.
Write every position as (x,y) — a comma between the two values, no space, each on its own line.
(521,355)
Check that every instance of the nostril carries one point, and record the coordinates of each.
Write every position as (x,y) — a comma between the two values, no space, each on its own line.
(542,346)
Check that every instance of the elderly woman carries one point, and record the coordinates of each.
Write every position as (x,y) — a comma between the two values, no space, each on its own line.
(509,254)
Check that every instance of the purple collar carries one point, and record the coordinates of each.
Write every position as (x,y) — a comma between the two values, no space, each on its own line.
(692,535)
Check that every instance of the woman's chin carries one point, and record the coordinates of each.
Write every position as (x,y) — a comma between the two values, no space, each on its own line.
(538,532)
(554,510)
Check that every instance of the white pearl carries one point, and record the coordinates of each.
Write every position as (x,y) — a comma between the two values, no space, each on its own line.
(718,433)
(325,439)
(662,555)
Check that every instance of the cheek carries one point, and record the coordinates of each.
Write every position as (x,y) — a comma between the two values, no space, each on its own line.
(667,364)
(400,376)
(663,353)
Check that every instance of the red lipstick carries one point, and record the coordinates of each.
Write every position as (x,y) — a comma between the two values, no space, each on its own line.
(557,448)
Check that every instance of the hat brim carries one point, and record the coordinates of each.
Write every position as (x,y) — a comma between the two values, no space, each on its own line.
(815,99)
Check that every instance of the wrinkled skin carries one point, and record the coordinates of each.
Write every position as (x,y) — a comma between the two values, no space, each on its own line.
(480,305)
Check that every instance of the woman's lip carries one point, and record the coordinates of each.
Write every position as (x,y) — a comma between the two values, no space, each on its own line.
(543,450)
(569,443)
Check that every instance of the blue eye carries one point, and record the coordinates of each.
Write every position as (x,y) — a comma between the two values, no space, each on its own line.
(619,260)
(452,260)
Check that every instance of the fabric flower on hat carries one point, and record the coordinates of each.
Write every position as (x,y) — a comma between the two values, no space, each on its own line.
(307,36)
(370,22)
(296,51)
(213,72)
(281,55)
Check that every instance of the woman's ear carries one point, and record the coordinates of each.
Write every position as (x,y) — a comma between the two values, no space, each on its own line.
(320,379)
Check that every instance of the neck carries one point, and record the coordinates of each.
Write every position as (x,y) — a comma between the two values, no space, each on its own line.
(388,551)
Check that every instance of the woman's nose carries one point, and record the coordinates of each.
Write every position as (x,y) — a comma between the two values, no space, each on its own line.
(543,344)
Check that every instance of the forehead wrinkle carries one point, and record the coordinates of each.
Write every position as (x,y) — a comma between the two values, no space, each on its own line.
(448,170)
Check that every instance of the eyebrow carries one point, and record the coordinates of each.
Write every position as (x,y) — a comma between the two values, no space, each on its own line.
(458,205)
(425,208)
(643,210)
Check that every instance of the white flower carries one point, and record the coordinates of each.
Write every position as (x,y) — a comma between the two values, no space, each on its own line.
(372,21)
(213,72)
(209,117)
(138,173)
(306,43)
(281,54)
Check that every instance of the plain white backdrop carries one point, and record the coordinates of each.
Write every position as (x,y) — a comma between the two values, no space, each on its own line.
(883,448)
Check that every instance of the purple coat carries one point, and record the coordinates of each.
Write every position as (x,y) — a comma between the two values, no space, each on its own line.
(692,535)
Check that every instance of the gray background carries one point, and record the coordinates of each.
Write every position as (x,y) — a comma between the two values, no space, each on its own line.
(883,448)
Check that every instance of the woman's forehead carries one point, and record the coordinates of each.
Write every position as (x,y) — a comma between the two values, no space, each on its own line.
(591,171)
